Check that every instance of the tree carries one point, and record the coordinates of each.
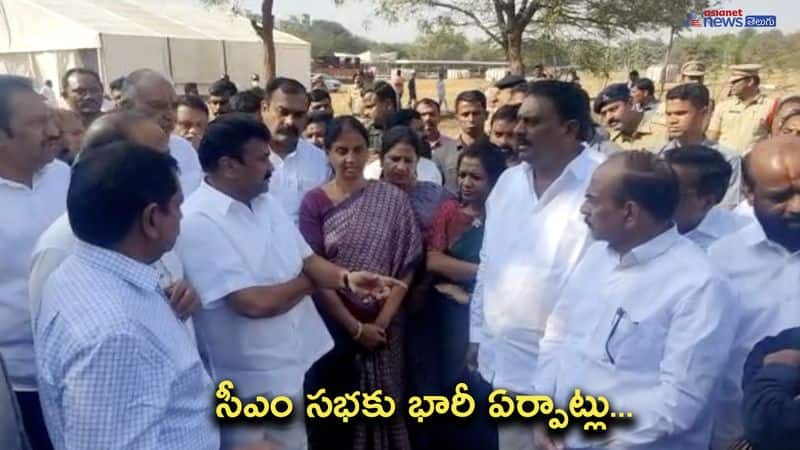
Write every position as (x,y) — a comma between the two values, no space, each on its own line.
(508,22)
(441,43)
(263,26)
(325,37)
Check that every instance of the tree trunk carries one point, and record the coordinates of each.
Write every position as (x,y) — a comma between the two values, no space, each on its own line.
(267,25)
(514,53)
(666,62)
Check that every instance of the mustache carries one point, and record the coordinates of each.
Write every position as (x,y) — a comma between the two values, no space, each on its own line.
(290,130)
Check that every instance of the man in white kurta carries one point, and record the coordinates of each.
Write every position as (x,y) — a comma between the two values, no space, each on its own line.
(534,237)
(762,261)
(653,347)
(254,273)
(704,177)
(299,166)
(33,191)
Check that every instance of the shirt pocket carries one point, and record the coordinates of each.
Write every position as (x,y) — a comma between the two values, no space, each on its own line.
(636,344)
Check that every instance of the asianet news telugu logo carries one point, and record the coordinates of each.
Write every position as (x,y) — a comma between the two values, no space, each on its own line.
(728,18)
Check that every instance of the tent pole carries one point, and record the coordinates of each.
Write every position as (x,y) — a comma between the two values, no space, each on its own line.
(169,60)
(224,59)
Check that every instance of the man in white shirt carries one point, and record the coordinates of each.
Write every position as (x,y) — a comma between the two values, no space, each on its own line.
(254,273)
(299,166)
(33,191)
(703,176)
(58,241)
(150,93)
(653,348)
(687,107)
(533,238)
(763,262)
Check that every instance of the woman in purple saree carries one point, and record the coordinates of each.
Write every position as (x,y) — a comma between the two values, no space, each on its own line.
(361,225)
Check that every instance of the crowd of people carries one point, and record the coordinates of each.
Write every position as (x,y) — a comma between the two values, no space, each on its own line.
(638,249)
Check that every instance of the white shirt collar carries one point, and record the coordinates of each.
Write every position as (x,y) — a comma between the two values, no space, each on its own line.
(650,249)
(217,200)
(37,177)
(580,168)
(753,235)
(711,225)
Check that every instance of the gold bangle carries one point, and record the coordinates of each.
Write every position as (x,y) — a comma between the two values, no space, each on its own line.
(359,331)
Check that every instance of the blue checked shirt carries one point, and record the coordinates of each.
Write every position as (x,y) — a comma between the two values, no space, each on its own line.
(116,368)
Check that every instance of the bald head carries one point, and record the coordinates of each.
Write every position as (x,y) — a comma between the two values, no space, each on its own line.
(152,94)
(773,158)
(772,172)
(124,126)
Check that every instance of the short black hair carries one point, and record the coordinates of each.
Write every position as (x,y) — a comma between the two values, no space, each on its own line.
(633,73)
(648,181)
(696,93)
(285,85)
(492,158)
(226,136)
(318,95)
(520,88)
(430,102)
(473,96)
(713,171)
(319,117)
(645,84)
(335,127)
(248,101)
(402,117)
(222,88)
(193,102)
(190,88)
(110,189)
(507,113)
(383,91)
(78,71)
(10,85)
(401,135)
(117,84)
(569,101)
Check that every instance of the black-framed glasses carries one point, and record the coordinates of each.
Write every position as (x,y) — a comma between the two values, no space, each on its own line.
(617,319)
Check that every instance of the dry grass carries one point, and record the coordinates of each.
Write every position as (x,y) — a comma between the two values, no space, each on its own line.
(776,83)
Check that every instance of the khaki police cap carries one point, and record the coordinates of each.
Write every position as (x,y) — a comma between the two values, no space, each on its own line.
(743,71)
(693,69)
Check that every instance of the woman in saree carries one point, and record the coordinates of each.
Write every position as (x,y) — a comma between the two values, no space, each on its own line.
(360,224)
(401,151)
(453,247)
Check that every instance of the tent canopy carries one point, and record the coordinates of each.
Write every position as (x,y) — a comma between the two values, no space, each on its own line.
(181,38)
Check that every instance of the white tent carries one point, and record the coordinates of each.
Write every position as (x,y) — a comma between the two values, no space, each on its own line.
(41,39)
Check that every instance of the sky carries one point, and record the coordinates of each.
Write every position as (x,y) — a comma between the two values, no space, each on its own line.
(357,16)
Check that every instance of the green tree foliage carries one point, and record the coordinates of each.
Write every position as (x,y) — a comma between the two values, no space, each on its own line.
(326,37)
(440,43)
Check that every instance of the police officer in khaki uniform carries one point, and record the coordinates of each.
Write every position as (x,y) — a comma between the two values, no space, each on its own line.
(628,128)
(737,122)
(695,72)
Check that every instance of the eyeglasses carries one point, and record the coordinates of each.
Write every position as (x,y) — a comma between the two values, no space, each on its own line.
(617,319)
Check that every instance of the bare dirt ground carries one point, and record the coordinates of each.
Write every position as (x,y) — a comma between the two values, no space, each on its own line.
(775,83)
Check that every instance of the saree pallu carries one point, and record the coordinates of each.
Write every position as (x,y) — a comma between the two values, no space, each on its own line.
(375,230)
(453,317)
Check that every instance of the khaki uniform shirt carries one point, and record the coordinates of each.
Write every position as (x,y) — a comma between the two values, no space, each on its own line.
(355,101)
(649,135)
(739,124)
